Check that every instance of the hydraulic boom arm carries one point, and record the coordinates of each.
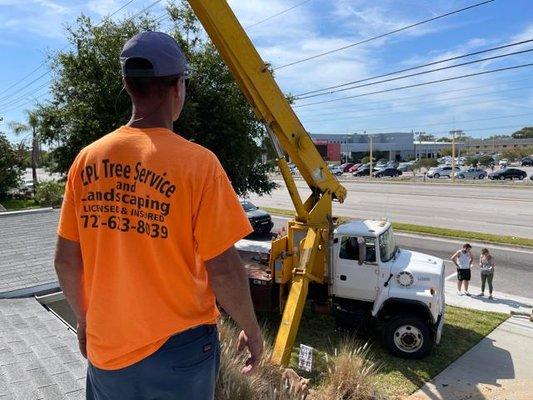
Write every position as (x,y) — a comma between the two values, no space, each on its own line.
(303,252)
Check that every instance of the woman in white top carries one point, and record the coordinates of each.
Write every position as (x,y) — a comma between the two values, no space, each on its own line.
(486,265)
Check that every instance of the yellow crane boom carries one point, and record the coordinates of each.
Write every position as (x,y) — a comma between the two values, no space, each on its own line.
(302,255)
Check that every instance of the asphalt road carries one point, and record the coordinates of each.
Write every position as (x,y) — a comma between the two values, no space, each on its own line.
(514,267)
(499,209)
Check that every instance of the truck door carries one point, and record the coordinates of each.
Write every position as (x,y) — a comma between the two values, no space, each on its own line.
(353,280)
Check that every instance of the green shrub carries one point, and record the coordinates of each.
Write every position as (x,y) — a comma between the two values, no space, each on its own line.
(49,193)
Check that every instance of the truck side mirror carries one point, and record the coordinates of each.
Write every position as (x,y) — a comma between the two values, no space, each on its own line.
(362,250)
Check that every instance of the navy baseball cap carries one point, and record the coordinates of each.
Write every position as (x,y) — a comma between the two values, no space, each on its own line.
(163,53)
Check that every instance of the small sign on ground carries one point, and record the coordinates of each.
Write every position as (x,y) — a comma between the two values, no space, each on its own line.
(305,361)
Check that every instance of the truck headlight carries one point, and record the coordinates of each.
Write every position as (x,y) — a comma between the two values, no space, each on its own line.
(405,279)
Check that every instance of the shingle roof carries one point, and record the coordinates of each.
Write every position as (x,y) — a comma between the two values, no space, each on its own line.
(39,356)
(26,253)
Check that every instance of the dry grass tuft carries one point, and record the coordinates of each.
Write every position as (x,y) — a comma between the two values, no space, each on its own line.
(269,382)
(350,375)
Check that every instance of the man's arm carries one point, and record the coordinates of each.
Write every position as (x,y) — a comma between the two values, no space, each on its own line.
(69,269)
(229,281)
(454,258)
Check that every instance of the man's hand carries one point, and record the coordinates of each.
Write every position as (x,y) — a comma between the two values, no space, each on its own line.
(82,337)
(229,281)
(255,347)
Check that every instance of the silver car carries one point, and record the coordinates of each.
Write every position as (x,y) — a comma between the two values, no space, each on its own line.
(437,172)
(471,173)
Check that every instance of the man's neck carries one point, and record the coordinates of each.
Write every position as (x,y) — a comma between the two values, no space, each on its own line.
(151,115)
(145,123)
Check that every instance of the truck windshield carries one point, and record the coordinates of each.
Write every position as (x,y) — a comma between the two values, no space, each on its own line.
(387,245)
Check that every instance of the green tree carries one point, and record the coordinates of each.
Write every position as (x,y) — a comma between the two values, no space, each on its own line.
(31,126)
(473,161)
(425,137)
(486,161)
(88,100)
(10,170)
(447,151)
(524,133)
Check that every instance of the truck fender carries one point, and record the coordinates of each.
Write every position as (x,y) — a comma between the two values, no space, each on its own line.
(395,305)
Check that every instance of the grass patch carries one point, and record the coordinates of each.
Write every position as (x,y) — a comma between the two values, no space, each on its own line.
(441,232)
(14,205)
(396,377)
(454,233)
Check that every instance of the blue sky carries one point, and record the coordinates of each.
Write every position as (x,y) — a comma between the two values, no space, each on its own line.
(497,103)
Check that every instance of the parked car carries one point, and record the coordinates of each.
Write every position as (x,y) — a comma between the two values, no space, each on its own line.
(527,162)
(381,163)
(508,173)
(392,164)
(336,170)
(394,172)
(471,173)
(503,162)
(405,166)
(260,220)
(346,166)
(354,167)
(437,172)
(363,170)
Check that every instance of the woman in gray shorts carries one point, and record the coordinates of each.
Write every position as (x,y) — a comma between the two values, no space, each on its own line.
(486,264)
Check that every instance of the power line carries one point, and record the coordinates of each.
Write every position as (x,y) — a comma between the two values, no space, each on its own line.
(64,47)
(22,95)
(415,74)
(364,116)
(300,95)
(383,35)
(28,84)
(351,106)
(26,101)
(278,14)
(417,85)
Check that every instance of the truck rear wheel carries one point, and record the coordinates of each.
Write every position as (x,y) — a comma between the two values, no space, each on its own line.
(408,336)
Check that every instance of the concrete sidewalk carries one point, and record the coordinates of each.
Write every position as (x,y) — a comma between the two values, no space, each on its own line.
(499,367)
(502,302)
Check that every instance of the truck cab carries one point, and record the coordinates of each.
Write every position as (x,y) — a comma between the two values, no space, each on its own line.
(372,279)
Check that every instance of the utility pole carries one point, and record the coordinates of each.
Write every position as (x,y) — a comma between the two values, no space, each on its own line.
(371,158)
(453,133)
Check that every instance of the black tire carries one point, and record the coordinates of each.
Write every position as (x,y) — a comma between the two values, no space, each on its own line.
(436,176)
(461,176)
(481,176)
(411,330)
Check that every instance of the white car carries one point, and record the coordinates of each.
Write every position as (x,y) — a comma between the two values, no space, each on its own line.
(440,171)
(503,162)
(336,170)
(471,173)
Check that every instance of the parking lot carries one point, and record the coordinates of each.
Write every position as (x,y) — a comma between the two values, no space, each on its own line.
(490,207)
(419,177)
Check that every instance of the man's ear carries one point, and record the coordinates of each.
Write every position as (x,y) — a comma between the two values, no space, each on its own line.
(180,88)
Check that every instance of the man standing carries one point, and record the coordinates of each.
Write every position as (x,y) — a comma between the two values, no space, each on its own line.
(463,260)
(145,245)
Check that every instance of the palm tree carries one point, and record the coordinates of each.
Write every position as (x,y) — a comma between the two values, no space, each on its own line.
(31,126)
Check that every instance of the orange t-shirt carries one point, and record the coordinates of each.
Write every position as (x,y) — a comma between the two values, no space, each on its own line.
(148,208)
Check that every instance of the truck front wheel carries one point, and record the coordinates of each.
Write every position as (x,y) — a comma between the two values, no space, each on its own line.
(408,336)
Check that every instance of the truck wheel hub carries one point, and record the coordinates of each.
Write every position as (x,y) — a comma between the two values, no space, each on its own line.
(408,338)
